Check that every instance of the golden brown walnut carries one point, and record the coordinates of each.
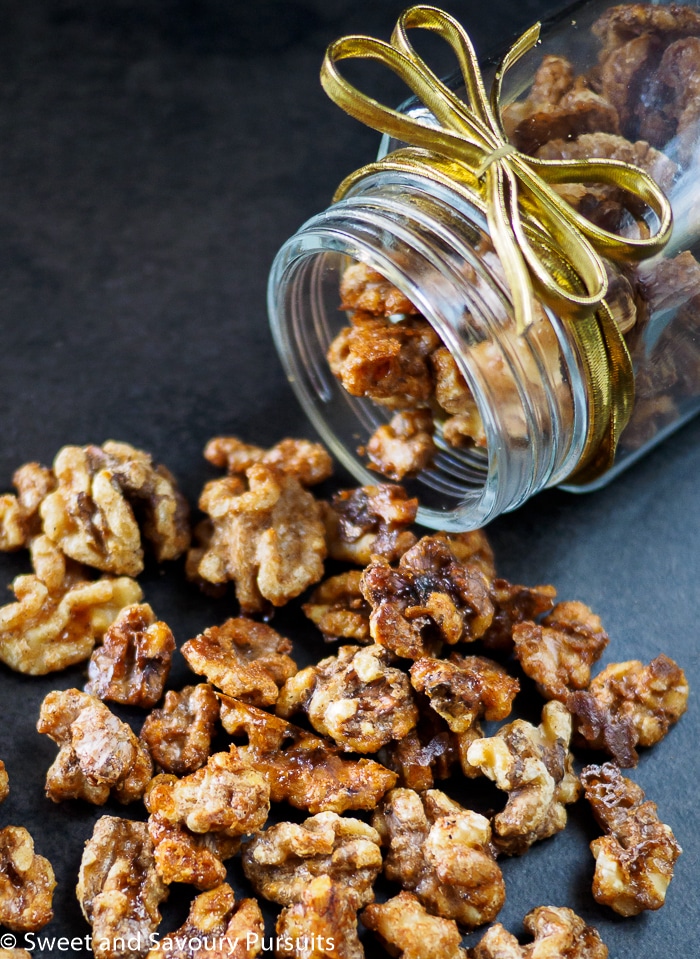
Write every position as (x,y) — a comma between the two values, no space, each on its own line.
(133,662)
(99,755)
(441,852)
(4,782)
(179,734)
(269,539)
(404,446)
(513,604)
(534,766)
(608,146)
(19,515)
(678,79)
(27,882)
(635,860)
(472,548)
(427,753)
(465,429)
(370,521)
(362,288)
(407,931)
(464,689)
(430,598)
(668,283)
(91,515)
(184,856)
(300,768)
(59,615)
(119,890)
(15,954)
(216,926)
(322,924)
(557,932)
(280,862)
(357,698)
(308,462)
(243,658)
(627,20)
(558,654)
(451,390)
(630,704)
(339,609)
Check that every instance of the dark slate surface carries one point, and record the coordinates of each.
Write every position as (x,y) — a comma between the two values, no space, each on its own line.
(153,157)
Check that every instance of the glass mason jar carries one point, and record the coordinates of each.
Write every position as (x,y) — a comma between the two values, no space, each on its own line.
(429,241)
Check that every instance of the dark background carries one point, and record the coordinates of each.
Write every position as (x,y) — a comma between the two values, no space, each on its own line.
(153,158)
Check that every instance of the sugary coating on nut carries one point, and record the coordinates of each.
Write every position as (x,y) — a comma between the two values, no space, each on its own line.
(557,932)
(268,539)
(357,698)
(179,734)
(558,654)
(119,890)
(245,659)
(4,782)
(19,515)
(474,548)
(534,766)
(443,853)
(309,462)
(370,521)
(362,288)
(512,605)
(427,753)
(300,768)
(133,662)
(15,954)
(194,858)
(620,23)
(216,926)
(464,689)
(407,931)
(339,609)
(610,147)
(322,924)
(635,860)
(99,755)
(428,599)
(27,882)
(281,861)
(404,446)
(59,615)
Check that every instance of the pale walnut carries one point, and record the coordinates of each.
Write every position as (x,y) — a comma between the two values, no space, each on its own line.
(557,932)
(4,782)
(370,521)
(300,768)
(339,609)
(357,698)
(245,659)
(27,882)
(12,532)
(119,890)
(443,853)
(534,766)
(322,924)
(280,862)
(512,605)
(635,860)
(99,755)
(15,954)
(407,931)
(362,288)
(194,858)
(19,515)
(217,926)
(558,654)
(308,462)
(404,446)
(179,734)
(133,662)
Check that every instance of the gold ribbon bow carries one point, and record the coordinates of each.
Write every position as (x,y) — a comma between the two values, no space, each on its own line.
(542,242)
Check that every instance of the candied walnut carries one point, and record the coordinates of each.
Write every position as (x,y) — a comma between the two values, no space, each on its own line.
(308,462)
(19,515)
(362,288)
(300,768)
(339,609)
(441,852)
(27,882)
(667,283)
(451,390)
(624,79)
(463,689)
(4,782)
(559,653)
(282,861)
(133,662)
(322,924)
(216,926)
(679,77)
(621,23)
(179,734)
(243,658)
(119,890)
(407,931)
(608,146)
(557,932)
(512,605)
(268,539)
(474,548)
(15,954)
(465,429)
(99,755)
(430,598)
(630,704)
(357,698)
(184,856)
(427,753)
(534,766)
(404,446)
(635,860)
(59,615)
(370,521)
(12,532)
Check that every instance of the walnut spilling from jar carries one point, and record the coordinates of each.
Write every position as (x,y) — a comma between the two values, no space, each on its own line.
(322,924)
(300,768)
(635,860)
(243,658)
(534,766)
(339,609)
(133,662)
(119,890)
(19,515)
(27,882)
(557,932)
(370,521)
(99,755)
(407,931)
(362,288)
(357,698)
(443,853)
(308,462)
(512,605)
(179,734)
(404,446)
(4,782)
(216,926)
